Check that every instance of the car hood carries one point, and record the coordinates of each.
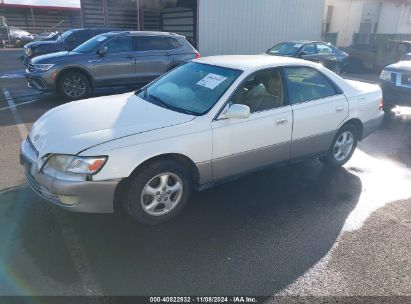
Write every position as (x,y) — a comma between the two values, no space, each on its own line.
(56,57)
(400,66)
(76,126)
(41,44)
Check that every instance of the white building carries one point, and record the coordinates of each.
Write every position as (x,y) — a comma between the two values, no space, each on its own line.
(214,26)
(346,17)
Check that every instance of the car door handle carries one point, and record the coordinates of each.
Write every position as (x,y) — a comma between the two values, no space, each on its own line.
(281,121)
(339,109)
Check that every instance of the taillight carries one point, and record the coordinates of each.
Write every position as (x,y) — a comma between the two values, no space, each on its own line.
(381,106)
(198,55)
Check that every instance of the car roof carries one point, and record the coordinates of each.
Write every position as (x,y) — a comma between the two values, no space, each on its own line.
(142,33)
(252,62)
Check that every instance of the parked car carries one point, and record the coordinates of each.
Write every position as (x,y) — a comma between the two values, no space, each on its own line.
(362,56)
(202,123)
(116,58)
(321,52)
(395,81)
(66,41)
(47,36)
(18,37)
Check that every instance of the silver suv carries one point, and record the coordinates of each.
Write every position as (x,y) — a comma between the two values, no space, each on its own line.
(110,59)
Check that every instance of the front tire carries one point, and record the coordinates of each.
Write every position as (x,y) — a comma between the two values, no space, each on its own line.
(343,146)
(158,192)
(74,85)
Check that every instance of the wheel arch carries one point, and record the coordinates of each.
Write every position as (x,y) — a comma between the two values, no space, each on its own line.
(184,160)
(78,69)
(357,124)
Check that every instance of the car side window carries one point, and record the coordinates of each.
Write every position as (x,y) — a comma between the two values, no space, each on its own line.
(261,91)
(119,45)
(324,49)
(152,43)
(305,84)
(173,43)
(310,49)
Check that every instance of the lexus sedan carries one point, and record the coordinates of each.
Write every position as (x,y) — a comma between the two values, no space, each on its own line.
(202,123)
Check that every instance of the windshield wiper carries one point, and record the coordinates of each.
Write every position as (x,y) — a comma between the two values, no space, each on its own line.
(158,100)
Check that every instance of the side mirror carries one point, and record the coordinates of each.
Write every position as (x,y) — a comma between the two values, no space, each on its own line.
(302,53)
(238,111)
(101,51)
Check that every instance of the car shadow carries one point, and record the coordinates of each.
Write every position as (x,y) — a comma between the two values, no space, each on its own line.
(251,236)
(395,133)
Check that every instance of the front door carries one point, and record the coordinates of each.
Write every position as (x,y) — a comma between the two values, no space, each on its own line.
(241,145)
(117,65)
(318,107)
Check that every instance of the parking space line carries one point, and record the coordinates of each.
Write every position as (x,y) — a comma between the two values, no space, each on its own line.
(19,104)
(73,245)
(20,125)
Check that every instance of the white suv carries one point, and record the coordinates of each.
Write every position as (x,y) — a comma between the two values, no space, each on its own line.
(207,121)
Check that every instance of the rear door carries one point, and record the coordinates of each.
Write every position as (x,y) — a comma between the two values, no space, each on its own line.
(319,108)
(328,55)
(118,64)
(153,56)
(309,52)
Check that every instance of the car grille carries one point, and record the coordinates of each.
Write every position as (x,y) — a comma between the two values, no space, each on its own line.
(31,68)
(406,79)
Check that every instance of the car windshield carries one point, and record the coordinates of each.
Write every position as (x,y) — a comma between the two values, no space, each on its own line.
(90,44)
(192,88)
(286,48)
(64,36)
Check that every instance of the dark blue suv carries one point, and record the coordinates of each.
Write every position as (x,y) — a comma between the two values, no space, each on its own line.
(67,41)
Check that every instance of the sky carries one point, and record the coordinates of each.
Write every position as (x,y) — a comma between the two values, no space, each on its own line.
(66,3)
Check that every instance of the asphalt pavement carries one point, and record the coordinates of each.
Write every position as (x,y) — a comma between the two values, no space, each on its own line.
(296,230)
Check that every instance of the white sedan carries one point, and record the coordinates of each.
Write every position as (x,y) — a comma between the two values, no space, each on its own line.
(205,122)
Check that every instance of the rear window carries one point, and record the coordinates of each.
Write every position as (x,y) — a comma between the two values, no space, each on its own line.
(152,43)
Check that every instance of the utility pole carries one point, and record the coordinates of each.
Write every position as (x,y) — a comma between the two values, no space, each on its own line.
(346,21)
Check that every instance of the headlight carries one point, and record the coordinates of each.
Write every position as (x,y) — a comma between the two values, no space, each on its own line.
(74,164)
(42,67)
(385,75)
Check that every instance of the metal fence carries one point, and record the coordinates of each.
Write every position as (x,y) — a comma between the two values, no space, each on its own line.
(378,40)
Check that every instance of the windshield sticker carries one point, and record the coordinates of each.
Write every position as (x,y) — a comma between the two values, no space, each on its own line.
(211,81)
(102,38)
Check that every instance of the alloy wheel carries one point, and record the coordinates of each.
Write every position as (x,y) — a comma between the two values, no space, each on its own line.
(162,193)
(74,86)
(343,145)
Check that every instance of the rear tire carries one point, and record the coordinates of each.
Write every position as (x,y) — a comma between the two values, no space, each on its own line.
(342,148)
(74,85)
(158,192)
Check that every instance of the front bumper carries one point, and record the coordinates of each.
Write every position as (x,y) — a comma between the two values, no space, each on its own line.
(395,94)
(79,196)
(41,81)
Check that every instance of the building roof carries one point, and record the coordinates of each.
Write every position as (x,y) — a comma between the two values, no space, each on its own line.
(46,7)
